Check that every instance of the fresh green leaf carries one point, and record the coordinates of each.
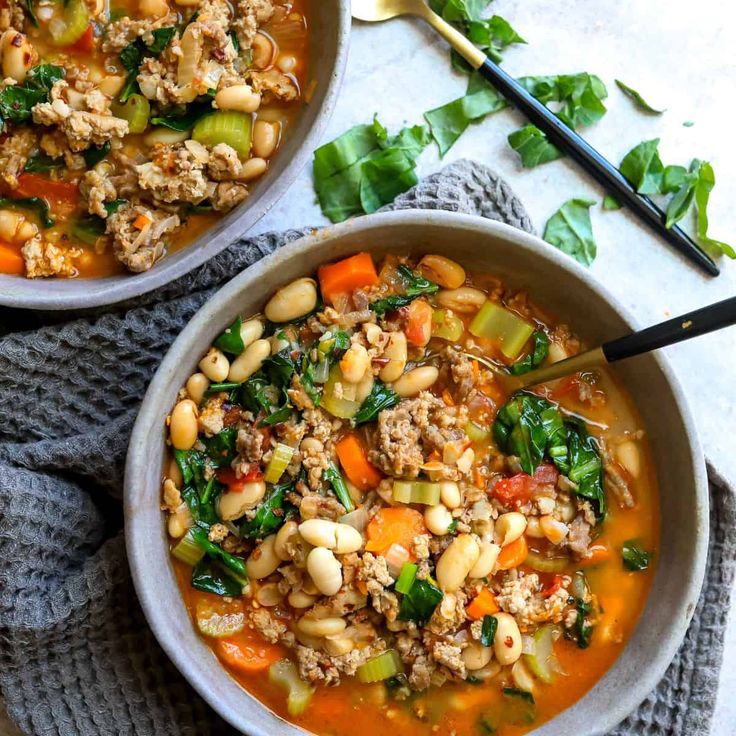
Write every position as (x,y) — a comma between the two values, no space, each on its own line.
(414,286)
(89,228)
(277,417)
(703,188)
(28,7)
(639,101)
(333,476)
(221,447)
(230,340)
(488,630)
(571,230)
(43,77)
(94,154)
(185,119)
(381,397)
(514,692)
(161,38)
(533,147)
(36,205)
(419,603)
(235,565)
(255,394)
(673,178)
(643,168)
(688,124)
(385,176)
(209,577)
(635,558)
(271,514)
(17,101)
(40,163)
(533,359)
(279,368)
(586,468)
(195,491)
(582,631)
(610,203)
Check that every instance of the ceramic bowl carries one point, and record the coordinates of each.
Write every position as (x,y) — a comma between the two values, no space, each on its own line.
(557,283)
(330,29)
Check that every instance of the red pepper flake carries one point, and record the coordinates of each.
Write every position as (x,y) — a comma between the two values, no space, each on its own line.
(509,641)
(17,40)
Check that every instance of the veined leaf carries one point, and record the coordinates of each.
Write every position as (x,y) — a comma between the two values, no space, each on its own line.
(643,168)
(570,230)
(639,101)
(533,147)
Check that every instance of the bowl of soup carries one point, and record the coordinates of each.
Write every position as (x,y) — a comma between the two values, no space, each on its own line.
(140,138)
(339,518)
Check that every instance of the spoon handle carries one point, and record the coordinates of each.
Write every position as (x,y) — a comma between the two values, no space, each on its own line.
(700,322)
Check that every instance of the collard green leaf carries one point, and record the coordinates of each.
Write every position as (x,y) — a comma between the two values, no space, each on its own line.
(639,101)
(571,230)
(634,557)
(643,168)
(533,147)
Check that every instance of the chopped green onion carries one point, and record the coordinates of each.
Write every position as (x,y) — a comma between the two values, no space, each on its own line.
(503,327)
(476,433)
(384,666)
(406,577)
(187,550)
(279,461)
(416,491)
(225,126)
(285,674)
(333,476)
(136,110)
(446,325)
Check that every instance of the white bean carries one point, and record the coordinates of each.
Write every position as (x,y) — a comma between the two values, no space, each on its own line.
(153,8)
(416,380)
(442,271)
(338,646)
(269,595)
(163,135)
(553,529)
(486,561)
(364,387)
(450,494)
(112,85)
(18,55)
(522,677)
(183,426)
(355,363)
(9,223)
(300,599)
(285,536)
(197,385)
(476,656)
(263,51)
(509,527)
(456,562)
(253,168)
(215,365)
(262,561)
(533,529)
(507,642)
(292,301)
(238,97)
(342,538)
(395,351)
(179,522)
(250,331)
(173,473)
(438,519)
(325,570)
(233,504)
(321,626)
(265,138)
(463,300)
(249,361)
(627,453)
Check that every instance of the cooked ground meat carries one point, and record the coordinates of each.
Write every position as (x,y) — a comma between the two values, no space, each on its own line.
(46,259)
(14,151)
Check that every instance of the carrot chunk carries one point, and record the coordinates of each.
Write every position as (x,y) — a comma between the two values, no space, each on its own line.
(354,460)
(484,604)
(347,275)
(11,260)
(399,525)
(513,555)
(247,656)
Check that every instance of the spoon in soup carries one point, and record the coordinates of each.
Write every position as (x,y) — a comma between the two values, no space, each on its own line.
(700,322)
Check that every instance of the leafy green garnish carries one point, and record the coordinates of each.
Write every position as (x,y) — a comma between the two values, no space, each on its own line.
(635,558)
(221,447)
(381,397)
(234,565)
(533,147)
(36,205)
(515,692)
(364,169)
(639,101)
(230,340)
(706,182)
(419,603)
(94,154)
(40,163)
(210,577)
(414,286)
(133,54)
(333,476)
(255,394)
(198,493)
(161,38)
(17,101)
(643,168)
(571,230)
(279,368)
(488,630)
(610,203)
(539,351)
(28,7)
(185,120)
(271,514)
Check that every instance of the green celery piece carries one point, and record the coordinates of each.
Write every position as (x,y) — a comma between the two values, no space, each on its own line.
(406,577)
(503,327)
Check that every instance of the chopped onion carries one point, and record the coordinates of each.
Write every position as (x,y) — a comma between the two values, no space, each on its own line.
(528,645)
(358,519)
(396,555)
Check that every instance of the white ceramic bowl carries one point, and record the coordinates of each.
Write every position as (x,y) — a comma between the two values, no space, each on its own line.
(556,282)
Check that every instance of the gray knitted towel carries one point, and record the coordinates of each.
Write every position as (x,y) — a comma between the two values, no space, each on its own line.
(76,655)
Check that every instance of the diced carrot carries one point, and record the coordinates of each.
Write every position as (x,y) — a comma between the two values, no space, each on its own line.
(513,555)
(354,460)
(86,42)
(484,604)
(476,369)
(418,323)
(396,525)
(434,456)
(55,192)
(11,260)
(599,553)
(347,275)
(248,656)
(447,398)
(141,222)
(479,479)
(514,490)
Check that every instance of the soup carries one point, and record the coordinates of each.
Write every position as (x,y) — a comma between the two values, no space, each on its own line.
(370,532)
(128,128)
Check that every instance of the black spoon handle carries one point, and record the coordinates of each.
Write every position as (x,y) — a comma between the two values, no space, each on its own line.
(603,171)
(699,322)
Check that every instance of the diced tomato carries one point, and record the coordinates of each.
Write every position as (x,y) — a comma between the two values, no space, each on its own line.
(55,192)
(235,484)
(515,490)
(553,587)
(565,386)
(546,474)
(418,322)
(85,44)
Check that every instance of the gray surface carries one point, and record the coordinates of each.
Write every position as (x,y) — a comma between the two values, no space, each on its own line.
(329,37)
(67,610)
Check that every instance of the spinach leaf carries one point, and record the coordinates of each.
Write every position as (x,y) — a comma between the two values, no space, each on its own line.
(94,154)
(703,188)
(195,492)
(536,357)
(419,603)
(36,205)
(643,168)
(28,7)
(514,692)
(221,447)
(414,286)
(279,369)
(639,101)
(448,122)
(17,101)
(255,394)
(635,558)
(235,565)
(333,476)
(40,163)
(208,577)
(570,230)
(271,514)
(131,57)
(89,228)
(586,468)
(280,415)
(186,118)
(533,147)
(230,340)
(582,630)
(609,203)
(381,397)
(161,38)
(42,78)
(519,430)
(488,630)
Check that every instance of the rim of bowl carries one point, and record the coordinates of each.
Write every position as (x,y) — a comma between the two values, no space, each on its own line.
(148,590)
(81,293)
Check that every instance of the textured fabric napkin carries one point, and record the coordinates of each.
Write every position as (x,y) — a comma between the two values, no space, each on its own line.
(76,655)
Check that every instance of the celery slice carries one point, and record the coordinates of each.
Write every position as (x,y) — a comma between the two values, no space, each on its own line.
(542,662)
(136,110)
(385,665)
(70,27)
(188,550)
(446,325)
(416,491)
(546,564)
(476,433)
(218,625)
(279,461)
(343,407)
(406,577)
(285,674)
(225,126)
(503,327)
